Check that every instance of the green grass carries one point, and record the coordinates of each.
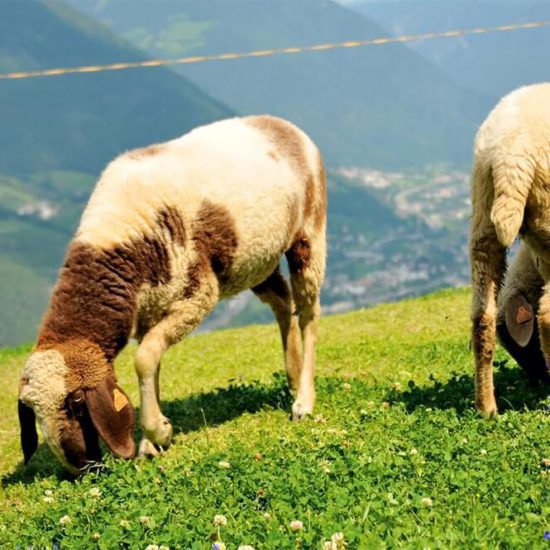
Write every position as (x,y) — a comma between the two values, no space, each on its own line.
(396,457)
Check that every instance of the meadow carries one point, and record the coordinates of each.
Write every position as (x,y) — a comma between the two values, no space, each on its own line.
(394,457)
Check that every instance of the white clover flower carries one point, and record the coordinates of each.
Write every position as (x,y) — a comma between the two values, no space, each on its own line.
(224,465)
(219,520)
(245,547)
(346,386)
(483,452)
(94,492)
(65,520)
(164,547)
(152,547)
(124,523)
(96,536)
(145,520)
(267,515)
(464,440)
(48,500)
(296,525)
(426,501)
(413,452)
(48,492)
(336,542)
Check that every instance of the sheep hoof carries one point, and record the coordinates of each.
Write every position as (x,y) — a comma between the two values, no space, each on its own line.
(487,410)
(148,449)
(161,434)
(301,410)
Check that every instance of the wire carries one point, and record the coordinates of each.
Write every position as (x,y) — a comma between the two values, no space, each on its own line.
(271,52)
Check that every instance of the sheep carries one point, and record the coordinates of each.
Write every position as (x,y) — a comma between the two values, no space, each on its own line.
(170,230)
(511,197)
(516,324)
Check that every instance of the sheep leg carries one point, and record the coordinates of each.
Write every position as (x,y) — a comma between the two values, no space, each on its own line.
(306,261)
(488,261)
(543,372)
(156,427)
(184,316)
(275,292)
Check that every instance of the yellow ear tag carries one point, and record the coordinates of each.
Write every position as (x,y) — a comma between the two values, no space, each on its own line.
(120,400)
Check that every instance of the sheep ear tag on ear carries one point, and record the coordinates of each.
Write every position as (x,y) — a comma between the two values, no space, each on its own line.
(520,320)
(112,415)
(29,436)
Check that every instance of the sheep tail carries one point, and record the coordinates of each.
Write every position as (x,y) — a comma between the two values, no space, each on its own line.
(512,179)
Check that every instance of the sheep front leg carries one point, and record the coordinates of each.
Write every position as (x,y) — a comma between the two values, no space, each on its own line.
(184,316)
(488,264)
(157,430)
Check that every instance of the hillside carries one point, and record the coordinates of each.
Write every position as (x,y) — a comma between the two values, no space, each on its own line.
(374,255)
(492,64)
(81,122)
(57,134)
(383,106)
(395,456)
(68,126)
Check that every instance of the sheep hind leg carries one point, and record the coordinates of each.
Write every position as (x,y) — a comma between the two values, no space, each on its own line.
(306,260)
(488,260)
(275,292)
(184,317)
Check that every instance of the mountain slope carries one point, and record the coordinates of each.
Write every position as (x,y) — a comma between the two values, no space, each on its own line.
(80,122)
(492,63)
(382,106)
(56,134)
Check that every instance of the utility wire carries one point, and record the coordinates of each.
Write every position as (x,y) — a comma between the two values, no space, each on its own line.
(271,52)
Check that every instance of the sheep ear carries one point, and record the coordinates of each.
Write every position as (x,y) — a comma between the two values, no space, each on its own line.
(520,320)
(112,415)
(29,437)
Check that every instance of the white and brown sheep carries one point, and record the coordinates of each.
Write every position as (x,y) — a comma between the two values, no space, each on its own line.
(169,231)
(511,197)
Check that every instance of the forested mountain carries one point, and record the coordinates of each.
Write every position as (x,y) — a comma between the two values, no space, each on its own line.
(56,134)
(382,106)
(492,63)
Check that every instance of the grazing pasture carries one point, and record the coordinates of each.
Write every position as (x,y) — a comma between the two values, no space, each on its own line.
(395,455)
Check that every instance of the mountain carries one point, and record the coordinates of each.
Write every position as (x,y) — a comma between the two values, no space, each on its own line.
(56,135)
(80,122)
(492,63)
(381,106)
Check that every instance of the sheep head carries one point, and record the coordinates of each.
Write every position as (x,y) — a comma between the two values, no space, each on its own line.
(71,390)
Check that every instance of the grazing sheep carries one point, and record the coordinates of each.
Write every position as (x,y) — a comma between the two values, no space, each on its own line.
(516,325)
(169,231)
(511,196)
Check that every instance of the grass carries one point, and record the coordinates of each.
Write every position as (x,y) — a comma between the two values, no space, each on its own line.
(395,458)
